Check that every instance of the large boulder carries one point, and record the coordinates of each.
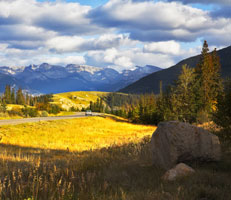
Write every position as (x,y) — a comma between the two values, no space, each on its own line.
(174,142)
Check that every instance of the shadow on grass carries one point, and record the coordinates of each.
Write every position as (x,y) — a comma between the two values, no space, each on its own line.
(118,173)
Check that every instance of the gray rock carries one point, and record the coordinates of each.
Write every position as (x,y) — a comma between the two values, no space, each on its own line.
(179,170)
(174,142)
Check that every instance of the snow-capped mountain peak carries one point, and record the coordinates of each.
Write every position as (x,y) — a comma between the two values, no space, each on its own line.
(46,78)
(72,68)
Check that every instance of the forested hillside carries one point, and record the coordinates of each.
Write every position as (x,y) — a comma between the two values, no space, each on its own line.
(151,83)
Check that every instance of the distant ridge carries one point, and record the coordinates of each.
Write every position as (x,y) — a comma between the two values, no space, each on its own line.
(151,83)
(46,78)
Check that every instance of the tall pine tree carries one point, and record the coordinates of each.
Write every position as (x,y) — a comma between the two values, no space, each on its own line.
(7,94)
(19,97)
(183,97)
(208,82)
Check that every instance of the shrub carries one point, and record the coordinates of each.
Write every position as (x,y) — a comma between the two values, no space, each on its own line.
(54,109)
(44,114)
(31,112)
(15,112)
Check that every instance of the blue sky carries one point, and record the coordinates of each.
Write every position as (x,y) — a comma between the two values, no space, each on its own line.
(120,34)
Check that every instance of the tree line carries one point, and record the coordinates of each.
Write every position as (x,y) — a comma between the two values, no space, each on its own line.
(32,104)
(197,96)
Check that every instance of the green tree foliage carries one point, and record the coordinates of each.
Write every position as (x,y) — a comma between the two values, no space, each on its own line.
(222,115)
(7,94)
(208,84)
(3,106)
(192,99)
(29,112)
(97,106)
(20,99)
(183,95)
(13,100)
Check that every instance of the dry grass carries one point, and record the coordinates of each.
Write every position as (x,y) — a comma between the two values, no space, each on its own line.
(79,99)
(113,164)
(76,134)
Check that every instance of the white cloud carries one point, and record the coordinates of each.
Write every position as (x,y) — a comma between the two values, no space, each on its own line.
(226,2)
(65,60)
(62,44)
(157,21)
(169,47)
(127,59)
(120,34)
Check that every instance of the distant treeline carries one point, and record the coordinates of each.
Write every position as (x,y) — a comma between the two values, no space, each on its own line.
(197,96)
(32,104)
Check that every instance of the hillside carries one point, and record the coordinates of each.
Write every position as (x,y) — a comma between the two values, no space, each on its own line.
(151,83)
(6,79)
(78,99)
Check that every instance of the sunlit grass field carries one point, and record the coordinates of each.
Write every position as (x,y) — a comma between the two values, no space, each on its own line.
(96,158)
(79,134)
(79,99)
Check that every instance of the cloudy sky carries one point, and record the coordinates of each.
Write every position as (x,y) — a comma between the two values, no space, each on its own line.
(110,33)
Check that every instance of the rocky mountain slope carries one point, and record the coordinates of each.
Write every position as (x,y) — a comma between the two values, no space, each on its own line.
(46,78)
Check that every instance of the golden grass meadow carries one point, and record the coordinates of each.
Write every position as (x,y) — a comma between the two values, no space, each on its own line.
(79,134)
(76,99)
(95,158)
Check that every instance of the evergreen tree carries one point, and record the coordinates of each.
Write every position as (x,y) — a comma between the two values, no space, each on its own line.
(208,81)
(222,114)
(19,97)
(183,97)
(7,94)
(27,101)
(13,100)
(3,106)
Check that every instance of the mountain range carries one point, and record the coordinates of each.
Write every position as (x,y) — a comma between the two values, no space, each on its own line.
(46,78)
(151,83)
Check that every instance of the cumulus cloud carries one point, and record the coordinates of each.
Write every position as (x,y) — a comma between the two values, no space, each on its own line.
(155,21)
(227,2)
(19,57)
(169,47)
(128,59)
(64,60)
(120,33)
(148,15)
(62,44)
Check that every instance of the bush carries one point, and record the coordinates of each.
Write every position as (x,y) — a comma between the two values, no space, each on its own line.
(29,112)
(54,109)
(202,117)
(44,114)
(15,112)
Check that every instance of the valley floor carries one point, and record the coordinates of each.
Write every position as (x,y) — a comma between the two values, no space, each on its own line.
(100,158)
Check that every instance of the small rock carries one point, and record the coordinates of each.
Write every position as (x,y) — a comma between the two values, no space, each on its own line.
(179,170)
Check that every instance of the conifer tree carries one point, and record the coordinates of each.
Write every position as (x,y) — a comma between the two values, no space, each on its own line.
(13,101)
(208,82)
(19,97)
(3,106)
(7,94)
(183,97)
